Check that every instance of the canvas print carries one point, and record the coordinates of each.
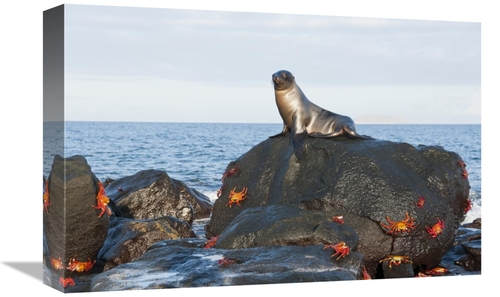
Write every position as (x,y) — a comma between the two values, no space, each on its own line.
(189,148)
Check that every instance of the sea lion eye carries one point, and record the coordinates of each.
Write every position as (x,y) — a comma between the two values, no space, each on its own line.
(285,76)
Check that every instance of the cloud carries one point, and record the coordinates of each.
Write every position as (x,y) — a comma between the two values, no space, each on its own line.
(227,53)
(379,119)
(207,45)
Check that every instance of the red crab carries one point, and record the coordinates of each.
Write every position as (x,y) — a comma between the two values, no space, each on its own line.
(230,172)
(80,266)
(225,262)
(102,201)
(399,227)
(468,206)
(66,281)
(421,201)
(46,201)
(465,174)
(338,219)
(437,229)
(436,271)
(340,249)
(365,274)
(211,242)
(219,191)
(461,164)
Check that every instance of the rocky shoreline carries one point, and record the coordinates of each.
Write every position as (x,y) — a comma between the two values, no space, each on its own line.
(351,210)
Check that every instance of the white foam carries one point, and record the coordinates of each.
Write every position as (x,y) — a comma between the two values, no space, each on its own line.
(143,280)
(211,257)
(212,195)
(472,214)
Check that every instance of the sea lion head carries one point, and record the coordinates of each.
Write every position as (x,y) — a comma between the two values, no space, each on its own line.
(283,80)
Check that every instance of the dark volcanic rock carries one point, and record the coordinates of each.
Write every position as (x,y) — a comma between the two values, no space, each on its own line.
(71,224)
(128,239)
(201,203)
(465,257)
(476,224)
(152,194)
(396,269)
(183,263)
(284,225)
(365,181)
(472,259)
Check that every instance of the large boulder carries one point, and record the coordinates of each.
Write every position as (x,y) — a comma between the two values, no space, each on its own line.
(284,225)
(151,194)
(73,231)
(185,263)
(128,239)
(372,184)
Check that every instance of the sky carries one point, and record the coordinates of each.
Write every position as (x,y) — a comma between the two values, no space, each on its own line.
(186,65)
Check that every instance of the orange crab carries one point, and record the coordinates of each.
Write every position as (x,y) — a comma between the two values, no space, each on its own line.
(102,201)
(421,201)
(401,226)
(66,281)
(225,262)
(436,271)
(396,260)
(340,249)
(465,174)
(338,219)
(211,242)
(80,266)
(236,197)
(57,264)
(437,229)
(461,164)
(46,201)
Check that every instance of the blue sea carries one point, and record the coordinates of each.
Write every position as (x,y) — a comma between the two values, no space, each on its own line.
(198,153)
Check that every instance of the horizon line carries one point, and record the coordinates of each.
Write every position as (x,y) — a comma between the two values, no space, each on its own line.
(246,123)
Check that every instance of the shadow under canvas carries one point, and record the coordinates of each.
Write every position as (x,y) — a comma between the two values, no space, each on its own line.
(33,269)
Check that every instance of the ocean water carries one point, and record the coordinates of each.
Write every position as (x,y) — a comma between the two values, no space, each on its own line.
(198,153)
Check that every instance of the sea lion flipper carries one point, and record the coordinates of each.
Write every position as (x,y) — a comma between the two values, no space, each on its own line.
(298,135)
(298,145)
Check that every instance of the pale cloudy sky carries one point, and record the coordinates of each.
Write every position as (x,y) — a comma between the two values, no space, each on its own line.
(175,65)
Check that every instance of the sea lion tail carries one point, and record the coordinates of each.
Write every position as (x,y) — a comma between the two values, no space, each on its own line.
(366,137)
(351,133)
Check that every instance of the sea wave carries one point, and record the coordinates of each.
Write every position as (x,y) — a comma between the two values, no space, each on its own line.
(199,153)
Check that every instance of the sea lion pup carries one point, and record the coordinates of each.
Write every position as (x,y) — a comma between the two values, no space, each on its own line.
(301,117)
